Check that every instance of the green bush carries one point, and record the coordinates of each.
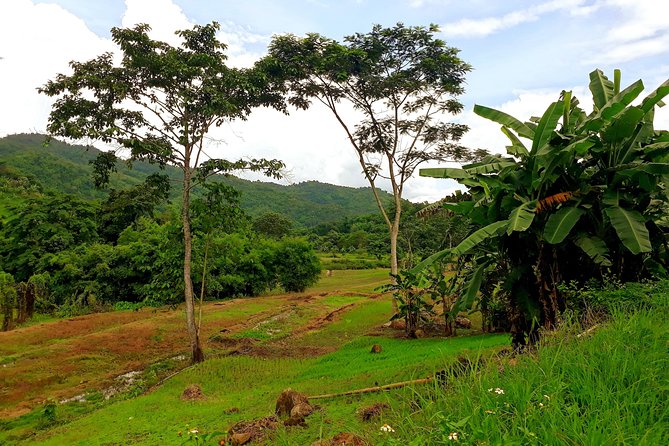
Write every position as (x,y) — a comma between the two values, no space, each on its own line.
(296,265)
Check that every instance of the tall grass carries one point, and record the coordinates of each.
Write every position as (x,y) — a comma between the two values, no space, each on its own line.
(609,387)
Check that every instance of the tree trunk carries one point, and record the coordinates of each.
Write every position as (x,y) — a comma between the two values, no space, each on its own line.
(394,231)
(193,332)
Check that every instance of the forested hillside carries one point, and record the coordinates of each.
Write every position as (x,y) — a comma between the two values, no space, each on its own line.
(65,168)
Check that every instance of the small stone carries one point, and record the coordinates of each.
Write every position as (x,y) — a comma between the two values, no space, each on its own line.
(288,399)
(376,348)
(240,438)
(302,410)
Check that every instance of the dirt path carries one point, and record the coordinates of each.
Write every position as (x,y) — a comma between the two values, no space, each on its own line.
(65,358)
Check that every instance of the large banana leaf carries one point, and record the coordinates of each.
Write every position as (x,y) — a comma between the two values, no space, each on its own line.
(546,125)
(655,97)
(618,102)
(595,248)
(504,119)
(521,217)
(517,148)
(560,224)
(471,289)
(444,172)
(601,87)
(491,164)
(479,236)
(631,229)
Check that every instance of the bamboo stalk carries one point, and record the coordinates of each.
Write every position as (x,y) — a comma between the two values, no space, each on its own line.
(372,389)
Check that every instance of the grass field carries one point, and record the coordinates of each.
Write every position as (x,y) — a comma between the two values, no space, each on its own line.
(316,342)
(606,388)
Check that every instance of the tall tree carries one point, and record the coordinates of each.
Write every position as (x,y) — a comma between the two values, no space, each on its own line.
(159,103)
(401,81)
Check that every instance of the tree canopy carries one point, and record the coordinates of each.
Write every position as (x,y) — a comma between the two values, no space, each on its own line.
(159,103)
(401,81)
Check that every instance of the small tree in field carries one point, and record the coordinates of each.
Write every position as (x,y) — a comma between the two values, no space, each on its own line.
(401,80)
(159,103)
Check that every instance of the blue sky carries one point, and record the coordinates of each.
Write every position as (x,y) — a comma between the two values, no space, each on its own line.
(523,53)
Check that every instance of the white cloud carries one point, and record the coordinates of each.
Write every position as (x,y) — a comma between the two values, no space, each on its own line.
(36,43)
(490,25)
(642,31)
(163,16)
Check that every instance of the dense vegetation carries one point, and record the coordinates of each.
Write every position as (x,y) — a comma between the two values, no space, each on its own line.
(544,245)
(84,255)
(65,168)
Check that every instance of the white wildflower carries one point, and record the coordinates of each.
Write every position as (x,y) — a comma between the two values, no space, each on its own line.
(499,391)
(387,428)
(194,431)
(547,397)
(453,436)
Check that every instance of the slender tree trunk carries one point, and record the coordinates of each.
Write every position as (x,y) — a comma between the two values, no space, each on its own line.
(204,277)
(193,332)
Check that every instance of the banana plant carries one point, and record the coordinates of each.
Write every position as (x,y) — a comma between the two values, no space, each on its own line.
(577,196)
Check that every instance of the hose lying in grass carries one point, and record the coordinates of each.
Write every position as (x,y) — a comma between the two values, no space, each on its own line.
(372,389)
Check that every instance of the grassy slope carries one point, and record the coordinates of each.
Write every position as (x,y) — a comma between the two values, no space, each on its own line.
(65,168)
(251,383)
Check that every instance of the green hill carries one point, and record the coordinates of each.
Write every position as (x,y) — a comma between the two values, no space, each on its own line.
(65,168)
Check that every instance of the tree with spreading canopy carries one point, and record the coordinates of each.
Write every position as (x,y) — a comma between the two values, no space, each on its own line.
(401,82)
(159,102)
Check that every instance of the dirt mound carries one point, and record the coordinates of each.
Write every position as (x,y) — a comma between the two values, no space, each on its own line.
(255,430)
(373,411)
(288,400)
(342,439)
(192,392)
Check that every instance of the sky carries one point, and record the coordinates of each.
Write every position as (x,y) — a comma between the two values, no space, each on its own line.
(523,54)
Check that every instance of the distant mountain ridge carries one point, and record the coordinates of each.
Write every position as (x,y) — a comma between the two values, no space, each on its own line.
(65,168)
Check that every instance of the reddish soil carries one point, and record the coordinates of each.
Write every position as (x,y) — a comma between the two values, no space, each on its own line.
(69,357)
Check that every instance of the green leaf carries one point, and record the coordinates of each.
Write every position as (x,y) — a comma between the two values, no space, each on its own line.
(504,119)
(595,248)
(489,165)
(655,98)
(624,126)
(444,172)
(617,103)
(560,224)
(479,236)
(521,217)
(601,87)
(631,229)
(547,125)
(472,288)
(517,148)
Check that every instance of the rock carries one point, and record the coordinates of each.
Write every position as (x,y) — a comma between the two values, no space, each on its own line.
(347,439)
(398,324)
(376,348)
(419,333)
(372,412)
(295,421)
(302,410)
(288,399)
(192,392)
(255,430)
(239,439)
(462,322)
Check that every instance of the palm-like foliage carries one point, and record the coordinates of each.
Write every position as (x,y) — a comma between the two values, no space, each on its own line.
(586,198)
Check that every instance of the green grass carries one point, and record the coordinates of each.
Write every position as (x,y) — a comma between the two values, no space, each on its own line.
(608,388)
(252,385)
